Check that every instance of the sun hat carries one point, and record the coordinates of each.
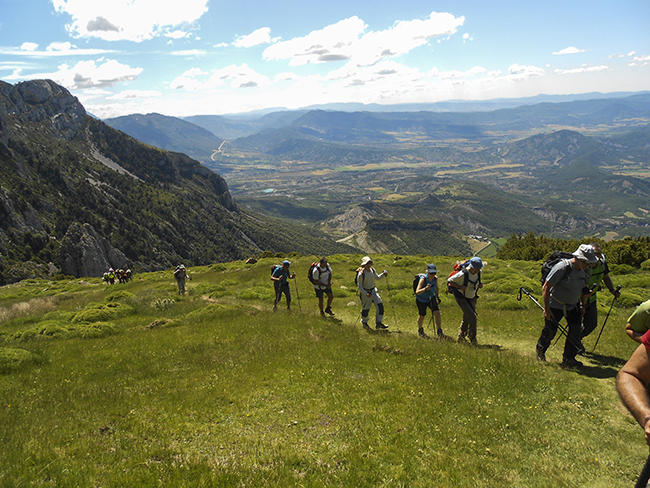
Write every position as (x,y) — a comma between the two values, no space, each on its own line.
(586,253)
(476,262)
(365,260)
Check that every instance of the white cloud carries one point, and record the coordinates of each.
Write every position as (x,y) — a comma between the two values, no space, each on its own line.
(260,36)
(347,40)
(582,69)
(447,75)
(178,34)
(238,76)
(570,50)
(60,47)
(133,94)
(29,46)
(188,52)
(89,74)
(640,61)
(133,20)
(518,72)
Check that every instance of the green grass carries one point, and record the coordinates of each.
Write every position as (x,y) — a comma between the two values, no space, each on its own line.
(213,389)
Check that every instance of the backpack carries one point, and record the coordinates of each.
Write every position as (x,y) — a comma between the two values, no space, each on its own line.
(461,266)
(310,273)
(178,273)
(416,281)
(274,267)
(356,275)
(552,260)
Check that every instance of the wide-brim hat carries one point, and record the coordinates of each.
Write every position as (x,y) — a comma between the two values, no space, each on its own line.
(586,253)
(365,260)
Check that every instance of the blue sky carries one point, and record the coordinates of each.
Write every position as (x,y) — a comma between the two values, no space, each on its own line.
(194,57)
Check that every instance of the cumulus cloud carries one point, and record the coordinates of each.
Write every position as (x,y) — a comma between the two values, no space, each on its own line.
(570,50)
(134,94)
(238,76)
(640,60)
(348,40)
(133,20)
(60,46)
(28,46)
(91,74)
(582,69)
(520,72)
(255,38)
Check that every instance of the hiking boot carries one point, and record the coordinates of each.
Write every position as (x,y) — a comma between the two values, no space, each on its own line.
(422,334)
(366,326)
(275,308)
(571,363)
(541,354)
(380,326)
(328,311)
(581,350)
(441,334)
(473,343)
(322,314)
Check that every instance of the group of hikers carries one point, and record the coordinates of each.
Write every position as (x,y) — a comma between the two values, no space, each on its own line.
(121,275)
(569,292)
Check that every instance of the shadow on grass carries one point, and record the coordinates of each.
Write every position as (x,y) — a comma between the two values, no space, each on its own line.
(604,366)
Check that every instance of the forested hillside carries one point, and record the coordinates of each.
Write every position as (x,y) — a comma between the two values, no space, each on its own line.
(77,197)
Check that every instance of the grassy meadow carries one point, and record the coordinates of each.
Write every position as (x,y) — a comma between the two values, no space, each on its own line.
(134,385)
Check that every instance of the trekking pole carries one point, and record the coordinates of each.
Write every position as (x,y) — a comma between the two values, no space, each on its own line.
(618,288)
(560,327)
(642,482)
(391,303)
(295,282)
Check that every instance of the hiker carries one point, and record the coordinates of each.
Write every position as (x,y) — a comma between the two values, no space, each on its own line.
(564,292)
(111,276)
(427,295)
(280,276)
(366,276)
(464,285)
(180,273)
(632,384)
(639,322)
(321,277)
(599,274)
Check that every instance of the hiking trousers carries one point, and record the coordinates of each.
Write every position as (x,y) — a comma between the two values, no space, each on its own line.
(279,290)
(366,303)
(468,324)
(574,325)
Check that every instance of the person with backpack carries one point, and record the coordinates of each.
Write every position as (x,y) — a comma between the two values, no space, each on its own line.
(280,276)
(639,322)
(320,274)
(564,292)
(464,285)
(427,295)
(180,273)
(599,274)
(365,279)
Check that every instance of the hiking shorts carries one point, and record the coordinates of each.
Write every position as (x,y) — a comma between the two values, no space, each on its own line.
(320,293)
(422,306)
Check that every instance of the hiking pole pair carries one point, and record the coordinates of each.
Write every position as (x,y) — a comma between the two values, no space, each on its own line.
(391,302)
(295,282)
(618,288)
(560,327)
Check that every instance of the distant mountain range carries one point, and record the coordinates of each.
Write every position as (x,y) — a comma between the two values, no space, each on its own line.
(77,196)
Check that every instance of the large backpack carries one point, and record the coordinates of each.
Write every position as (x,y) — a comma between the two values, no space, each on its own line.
(274,267)
(552,260)
(356,275)
(178,272)
(461,266)
(310,273)
(416,281)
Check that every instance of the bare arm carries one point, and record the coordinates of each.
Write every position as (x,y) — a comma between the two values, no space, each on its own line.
(631,384)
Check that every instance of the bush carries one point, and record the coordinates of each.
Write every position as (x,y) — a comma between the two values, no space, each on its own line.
(16,359)
(101,312)
(118,295)
(622,269)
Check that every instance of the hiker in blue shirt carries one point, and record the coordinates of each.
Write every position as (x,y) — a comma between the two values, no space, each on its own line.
(280,277)
(427,295)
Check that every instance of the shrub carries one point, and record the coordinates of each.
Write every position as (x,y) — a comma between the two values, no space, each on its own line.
(94,330)
(622,269)
(101,312)
(15,359)
(213,309)
(118,295)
